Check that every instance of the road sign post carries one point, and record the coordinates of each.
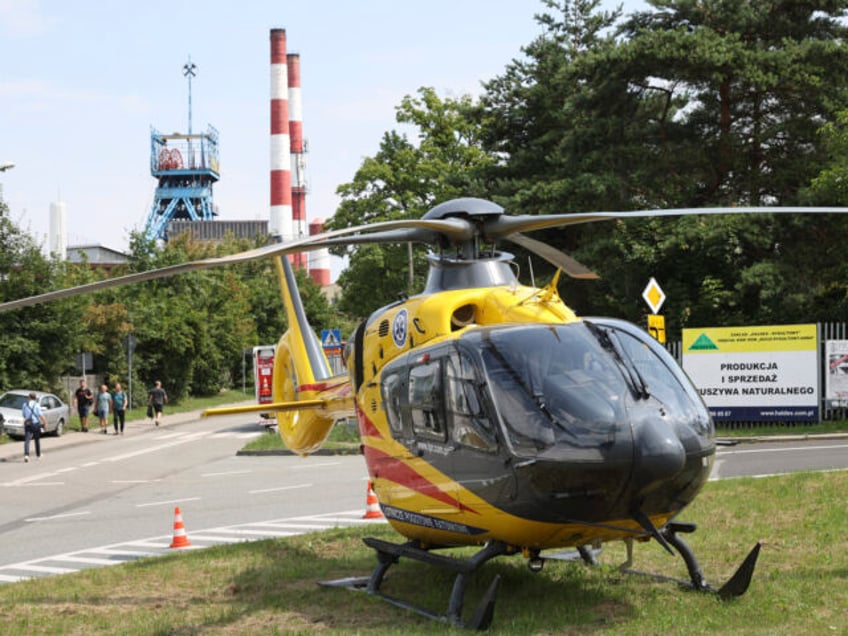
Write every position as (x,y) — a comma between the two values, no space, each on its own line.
(655,297)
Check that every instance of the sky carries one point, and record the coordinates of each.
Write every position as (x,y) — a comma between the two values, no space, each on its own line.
(83,82)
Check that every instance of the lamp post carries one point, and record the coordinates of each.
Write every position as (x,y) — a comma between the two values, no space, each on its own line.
(131,342)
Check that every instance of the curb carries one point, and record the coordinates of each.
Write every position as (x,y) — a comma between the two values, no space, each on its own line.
(758,439)
(283,451)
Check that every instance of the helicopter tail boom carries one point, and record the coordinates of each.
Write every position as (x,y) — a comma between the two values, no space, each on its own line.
(309,398)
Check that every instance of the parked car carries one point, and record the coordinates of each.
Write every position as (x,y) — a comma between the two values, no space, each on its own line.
(11,402)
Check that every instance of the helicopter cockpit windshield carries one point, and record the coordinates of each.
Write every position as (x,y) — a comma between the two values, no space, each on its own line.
(577,385)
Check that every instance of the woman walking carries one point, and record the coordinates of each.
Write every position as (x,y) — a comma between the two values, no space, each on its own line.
(119,408)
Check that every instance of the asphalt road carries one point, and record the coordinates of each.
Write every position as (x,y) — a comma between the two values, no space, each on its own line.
(765,458)
(96,499)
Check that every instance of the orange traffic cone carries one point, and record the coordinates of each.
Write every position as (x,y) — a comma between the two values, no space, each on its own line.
(180,538)
(372,506)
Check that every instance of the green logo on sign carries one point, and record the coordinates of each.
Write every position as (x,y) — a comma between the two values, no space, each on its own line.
(703,343)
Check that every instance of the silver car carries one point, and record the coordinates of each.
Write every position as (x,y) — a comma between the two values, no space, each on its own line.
(11,402)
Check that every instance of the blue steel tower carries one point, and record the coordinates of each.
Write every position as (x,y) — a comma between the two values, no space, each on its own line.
(186,167)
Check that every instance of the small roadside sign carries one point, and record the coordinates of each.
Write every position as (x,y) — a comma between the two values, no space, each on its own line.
(654,295)
(656,327)
(331,338)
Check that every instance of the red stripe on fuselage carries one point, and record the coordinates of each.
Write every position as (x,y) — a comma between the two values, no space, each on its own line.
(385,466)
(366,426)
(326,386)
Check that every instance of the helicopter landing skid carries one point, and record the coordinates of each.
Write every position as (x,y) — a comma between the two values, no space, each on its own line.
(389,554)
(737,585)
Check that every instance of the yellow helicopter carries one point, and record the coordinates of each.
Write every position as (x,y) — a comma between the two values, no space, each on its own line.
(490,414)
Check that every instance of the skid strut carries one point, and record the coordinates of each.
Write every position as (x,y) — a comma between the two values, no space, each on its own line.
(389,553)
(737,585)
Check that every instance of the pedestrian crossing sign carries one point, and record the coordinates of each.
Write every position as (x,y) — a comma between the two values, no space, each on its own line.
(331,338)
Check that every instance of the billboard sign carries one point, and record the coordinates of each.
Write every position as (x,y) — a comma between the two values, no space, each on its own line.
(836,378)
(766,373)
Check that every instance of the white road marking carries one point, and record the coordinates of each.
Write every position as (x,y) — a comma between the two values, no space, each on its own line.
(152,449)
(5,578)
(321,465)
(64,516)
(160,545)
(89,560)
(266,490)
(166,503)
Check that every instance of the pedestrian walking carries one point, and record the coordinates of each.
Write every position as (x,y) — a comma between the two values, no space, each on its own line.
(34,421)
(104,407)
(119,408)
(83,399)
(157,399)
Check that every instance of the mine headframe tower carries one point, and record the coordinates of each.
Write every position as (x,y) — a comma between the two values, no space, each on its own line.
(186,167)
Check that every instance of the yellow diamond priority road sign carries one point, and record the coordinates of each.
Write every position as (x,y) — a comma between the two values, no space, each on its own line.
(654,295)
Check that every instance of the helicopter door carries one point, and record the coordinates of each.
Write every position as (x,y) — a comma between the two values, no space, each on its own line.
(477,464)
(427,419)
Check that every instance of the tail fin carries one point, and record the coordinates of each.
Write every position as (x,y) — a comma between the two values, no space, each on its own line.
(301,373)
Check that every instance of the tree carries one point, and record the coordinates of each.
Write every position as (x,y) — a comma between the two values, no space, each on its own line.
(758,79)
(192,329)
(403,181)
(690,104)
(36,344)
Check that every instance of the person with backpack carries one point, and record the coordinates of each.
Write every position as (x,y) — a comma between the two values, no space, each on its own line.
(34,421)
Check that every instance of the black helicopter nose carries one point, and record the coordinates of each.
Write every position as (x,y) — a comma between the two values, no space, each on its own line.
(658,453)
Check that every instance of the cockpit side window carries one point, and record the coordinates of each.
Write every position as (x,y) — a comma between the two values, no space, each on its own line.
(468,422)
(391,386)
(426,405)
(661,382)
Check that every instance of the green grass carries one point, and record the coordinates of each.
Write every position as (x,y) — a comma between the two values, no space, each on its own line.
(344,436)
(270,587)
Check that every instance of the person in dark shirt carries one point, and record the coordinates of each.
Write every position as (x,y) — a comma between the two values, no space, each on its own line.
(157,398)
(83,399)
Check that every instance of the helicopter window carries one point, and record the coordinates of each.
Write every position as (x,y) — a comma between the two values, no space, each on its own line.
(553,385)
(425,400)
(468,422)
(660,380)
(391,387)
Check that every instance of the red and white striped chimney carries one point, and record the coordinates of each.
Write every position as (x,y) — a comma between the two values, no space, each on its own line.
(280,221)
(298,166)
(319,260)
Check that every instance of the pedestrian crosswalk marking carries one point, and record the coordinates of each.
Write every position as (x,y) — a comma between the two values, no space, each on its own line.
(160,545)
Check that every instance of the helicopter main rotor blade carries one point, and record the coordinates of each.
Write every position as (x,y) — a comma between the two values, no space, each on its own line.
(409,235)
(454,228)
(503,226)
(563,261)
